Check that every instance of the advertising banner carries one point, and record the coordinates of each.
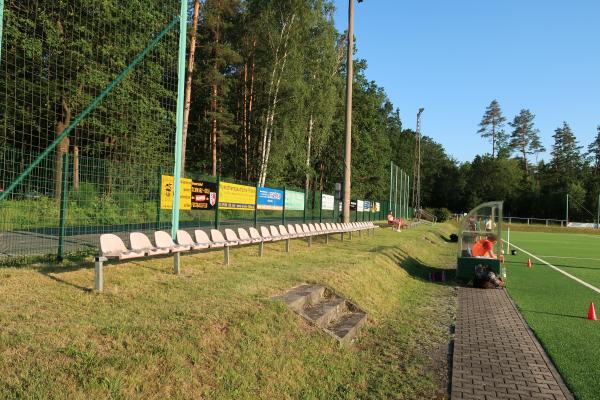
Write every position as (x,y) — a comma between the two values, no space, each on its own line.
(204,195)
(367,206)
(359,205)
(327,202)
(269,199)
(294,200)
(167,192)
(377,207)
(236,197)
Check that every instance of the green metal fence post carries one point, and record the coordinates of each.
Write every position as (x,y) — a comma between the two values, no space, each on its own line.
(283,209)
(160,173)
(256,207)
(321,208)
(64,195)
(218,201)
(180,107)
(305,203)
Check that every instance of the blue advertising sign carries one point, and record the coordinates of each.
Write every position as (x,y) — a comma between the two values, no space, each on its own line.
(367,206)
(269,199)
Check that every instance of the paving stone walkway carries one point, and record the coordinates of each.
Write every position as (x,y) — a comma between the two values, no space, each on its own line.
(496,356)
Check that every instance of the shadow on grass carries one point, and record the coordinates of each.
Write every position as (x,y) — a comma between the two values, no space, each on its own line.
(553,314)
(53,271)
(416,268)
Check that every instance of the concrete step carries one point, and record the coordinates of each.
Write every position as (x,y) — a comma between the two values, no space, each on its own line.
(302,296)
(346,328)
(324,308)
(325,311)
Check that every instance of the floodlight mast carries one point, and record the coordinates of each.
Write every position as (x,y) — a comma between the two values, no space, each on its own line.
(417,168)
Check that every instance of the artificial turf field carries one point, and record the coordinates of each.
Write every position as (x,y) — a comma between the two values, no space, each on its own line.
(555,306)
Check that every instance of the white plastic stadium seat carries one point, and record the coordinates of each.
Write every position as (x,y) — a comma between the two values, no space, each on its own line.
(243,235)
(284,232)
(255,235)
(185,239)
(230,236)
(299,230)
(264,232)
(112,246)
(275,233)
(202,238)
(139,241)
(307,231)
(217,237)
(163,239)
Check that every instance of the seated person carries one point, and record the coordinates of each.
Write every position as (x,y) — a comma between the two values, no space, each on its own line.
(390,218)
(485,278)
(485,247)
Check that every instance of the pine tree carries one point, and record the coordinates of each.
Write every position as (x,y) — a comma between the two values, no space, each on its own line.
(491,126)
(566,153)
(594,152)
(523,135)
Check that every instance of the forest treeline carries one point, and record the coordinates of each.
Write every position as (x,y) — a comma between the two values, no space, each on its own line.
(267,106)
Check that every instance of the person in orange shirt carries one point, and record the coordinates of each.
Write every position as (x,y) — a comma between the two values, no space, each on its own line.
(484,247)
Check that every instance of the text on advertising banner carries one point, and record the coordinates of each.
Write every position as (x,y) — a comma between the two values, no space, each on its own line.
(269,199)
(167,187)
(236,197)
(294,200)
(327,202)
(367,205)
(204,195)
(377,206)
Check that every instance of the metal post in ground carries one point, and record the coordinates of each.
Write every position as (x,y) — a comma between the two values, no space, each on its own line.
(179,124)
(99,273)
(567,210)
(177,263)
(217,222)
(256,207)
(160,173)
(64,195)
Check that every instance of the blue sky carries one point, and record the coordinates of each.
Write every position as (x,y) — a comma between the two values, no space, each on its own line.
(454,57)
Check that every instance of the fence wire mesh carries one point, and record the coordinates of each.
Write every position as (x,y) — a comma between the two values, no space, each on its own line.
(58,57)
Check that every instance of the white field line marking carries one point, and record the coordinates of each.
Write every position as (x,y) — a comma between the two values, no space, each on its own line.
(573,258)
(594,288)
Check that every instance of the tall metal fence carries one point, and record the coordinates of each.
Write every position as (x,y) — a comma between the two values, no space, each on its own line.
(91,106)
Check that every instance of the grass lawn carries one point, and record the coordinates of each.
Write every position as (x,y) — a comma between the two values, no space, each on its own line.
(555,306)
(214,333)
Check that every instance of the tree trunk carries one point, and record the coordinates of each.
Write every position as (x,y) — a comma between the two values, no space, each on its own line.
(214,106)
(270,121)
(245,121)
(493,139)
(250,104)
(61,149)
(213,135)
(188,83)
(76,168)
(308,146)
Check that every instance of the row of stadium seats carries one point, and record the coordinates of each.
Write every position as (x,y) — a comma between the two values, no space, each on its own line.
(113,247)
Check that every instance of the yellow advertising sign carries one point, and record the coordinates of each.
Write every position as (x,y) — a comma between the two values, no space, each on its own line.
(167,189)
(236,197)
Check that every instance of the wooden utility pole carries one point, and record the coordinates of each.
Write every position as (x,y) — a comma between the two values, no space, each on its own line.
(348,147)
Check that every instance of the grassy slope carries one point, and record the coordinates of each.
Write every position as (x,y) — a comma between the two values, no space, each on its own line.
(555,307)
(213,332)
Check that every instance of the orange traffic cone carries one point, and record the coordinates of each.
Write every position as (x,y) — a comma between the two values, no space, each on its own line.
(529,263)
(592,313)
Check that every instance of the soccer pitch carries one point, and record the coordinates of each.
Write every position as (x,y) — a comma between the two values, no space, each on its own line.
(555,305)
